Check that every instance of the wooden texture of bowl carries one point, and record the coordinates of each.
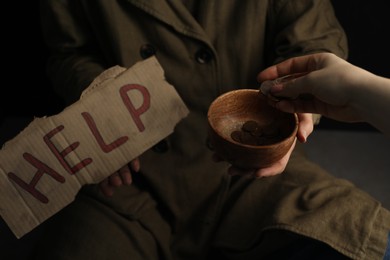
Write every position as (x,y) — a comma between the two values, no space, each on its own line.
(230,111)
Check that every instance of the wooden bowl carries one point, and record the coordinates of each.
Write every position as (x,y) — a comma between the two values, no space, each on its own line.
(229,112)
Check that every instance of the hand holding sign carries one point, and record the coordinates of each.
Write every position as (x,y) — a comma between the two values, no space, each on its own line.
(119,178)
(124,113)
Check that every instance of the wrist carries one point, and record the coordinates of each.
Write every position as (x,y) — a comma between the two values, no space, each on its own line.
(370,96)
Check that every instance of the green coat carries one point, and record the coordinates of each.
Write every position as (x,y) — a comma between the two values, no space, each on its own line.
(183,204)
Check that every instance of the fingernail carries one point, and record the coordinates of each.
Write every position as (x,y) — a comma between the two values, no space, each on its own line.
(303,137)
(136,166)
(276,87)
(265,87)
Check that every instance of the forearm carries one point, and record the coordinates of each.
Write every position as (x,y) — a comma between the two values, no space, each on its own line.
(372,101)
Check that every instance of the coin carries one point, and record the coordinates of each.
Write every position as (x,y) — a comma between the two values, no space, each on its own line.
(250,126)
(236,136)
(252,133)
(265,88)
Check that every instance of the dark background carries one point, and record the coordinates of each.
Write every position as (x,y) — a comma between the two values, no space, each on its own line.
(26,91)
(24,53)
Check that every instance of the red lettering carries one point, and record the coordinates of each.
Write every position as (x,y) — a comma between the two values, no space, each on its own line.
(42,169)
(105,147)
(136,113)
(60,155)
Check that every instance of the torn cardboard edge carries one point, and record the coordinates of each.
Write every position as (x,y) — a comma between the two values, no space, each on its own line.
(122,114)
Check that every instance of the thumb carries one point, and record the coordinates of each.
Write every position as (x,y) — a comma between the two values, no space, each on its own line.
(290,87)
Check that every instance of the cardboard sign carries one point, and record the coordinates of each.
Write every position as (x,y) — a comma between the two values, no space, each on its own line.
(122,114)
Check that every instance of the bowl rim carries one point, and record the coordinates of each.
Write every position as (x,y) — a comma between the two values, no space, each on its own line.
(231,92)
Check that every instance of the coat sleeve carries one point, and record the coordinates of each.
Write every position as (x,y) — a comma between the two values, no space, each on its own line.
(74,61)
(303,27)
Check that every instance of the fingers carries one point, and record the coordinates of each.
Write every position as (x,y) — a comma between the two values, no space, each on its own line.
(135,165)
(293,87)
(275,169)
(294,65)
(305,127)
(105,188)
(314,106)
(108,185)
(122,177)
(302,108)
(125,177)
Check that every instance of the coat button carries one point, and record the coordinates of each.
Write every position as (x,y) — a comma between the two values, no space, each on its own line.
(161,147)
(203,56)
(147,50)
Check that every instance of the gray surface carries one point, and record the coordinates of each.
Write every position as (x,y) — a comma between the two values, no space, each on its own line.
(363,157)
